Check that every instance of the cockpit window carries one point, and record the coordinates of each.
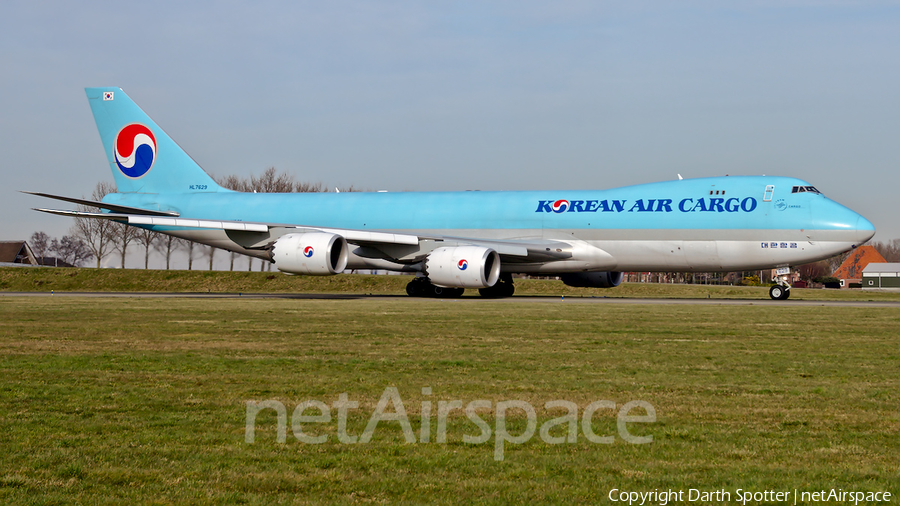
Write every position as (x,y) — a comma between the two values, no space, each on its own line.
(805,189)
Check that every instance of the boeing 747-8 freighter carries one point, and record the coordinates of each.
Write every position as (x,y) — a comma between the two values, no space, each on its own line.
(459,240)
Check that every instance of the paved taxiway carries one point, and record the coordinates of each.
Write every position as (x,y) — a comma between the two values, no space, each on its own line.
(520,298)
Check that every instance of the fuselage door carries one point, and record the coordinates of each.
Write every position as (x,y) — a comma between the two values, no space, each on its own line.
(770,190)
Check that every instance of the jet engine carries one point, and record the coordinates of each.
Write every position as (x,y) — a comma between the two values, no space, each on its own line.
(463,267)
(314,253)
(601,279)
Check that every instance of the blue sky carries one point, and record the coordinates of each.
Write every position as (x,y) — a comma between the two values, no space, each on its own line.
(462,95)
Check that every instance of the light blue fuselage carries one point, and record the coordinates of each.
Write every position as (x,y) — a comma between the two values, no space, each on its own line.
(724,223)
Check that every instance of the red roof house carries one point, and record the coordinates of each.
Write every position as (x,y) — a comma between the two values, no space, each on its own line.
(851,270)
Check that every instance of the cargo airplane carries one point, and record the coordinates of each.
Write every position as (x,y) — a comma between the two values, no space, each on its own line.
(473,239)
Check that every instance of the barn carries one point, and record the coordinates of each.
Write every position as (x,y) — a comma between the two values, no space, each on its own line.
(881,276)
(850,272)
(16,253)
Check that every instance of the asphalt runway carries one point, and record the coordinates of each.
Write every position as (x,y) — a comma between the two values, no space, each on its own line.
(519,298)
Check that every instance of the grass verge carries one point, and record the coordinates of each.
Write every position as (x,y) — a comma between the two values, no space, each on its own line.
(144,400)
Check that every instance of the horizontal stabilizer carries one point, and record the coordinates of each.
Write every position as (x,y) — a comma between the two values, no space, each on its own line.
(103,205)
(82,214)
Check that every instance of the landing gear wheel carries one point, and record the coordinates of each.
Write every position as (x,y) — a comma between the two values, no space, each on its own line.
(444,292)
(504,287)
(779,292)
(418,287)
(411,289)
(422,287)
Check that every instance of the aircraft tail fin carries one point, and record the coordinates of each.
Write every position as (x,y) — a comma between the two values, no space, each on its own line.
(143,159)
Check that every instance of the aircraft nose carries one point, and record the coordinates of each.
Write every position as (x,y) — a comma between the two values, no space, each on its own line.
(864,229)
(830,215)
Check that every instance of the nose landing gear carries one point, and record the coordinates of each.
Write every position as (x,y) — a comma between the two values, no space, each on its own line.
(781,291)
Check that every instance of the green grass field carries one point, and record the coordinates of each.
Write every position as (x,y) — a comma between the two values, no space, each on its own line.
(109,401)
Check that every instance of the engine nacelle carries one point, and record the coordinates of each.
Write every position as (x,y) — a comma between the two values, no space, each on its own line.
(313,253)
(602,279)
(463,267)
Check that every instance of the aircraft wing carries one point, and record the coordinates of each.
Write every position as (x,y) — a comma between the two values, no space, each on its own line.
(259,235)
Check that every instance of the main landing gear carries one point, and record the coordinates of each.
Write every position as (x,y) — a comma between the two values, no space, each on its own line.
(422,287)
(502,288)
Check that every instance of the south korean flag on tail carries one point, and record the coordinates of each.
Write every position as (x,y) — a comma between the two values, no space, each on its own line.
(108,95)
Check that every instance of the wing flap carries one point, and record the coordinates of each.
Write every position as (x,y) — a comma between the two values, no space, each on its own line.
(191,223)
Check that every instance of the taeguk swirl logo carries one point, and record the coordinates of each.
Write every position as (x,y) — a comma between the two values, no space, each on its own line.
(135,150)
(560,206)
(463,264)
(308,251)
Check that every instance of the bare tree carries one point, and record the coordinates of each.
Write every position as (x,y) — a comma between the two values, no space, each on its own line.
(894,254)
(262,264)
(834,263)
(301,187)
(271,181)
(209,252)
(78,250)
(54,248)
(189,246)
(96,233)
(123,234)
(233,182)
(166,245)
(890,250)
(809,272)
(72,250)
(147,238)
(40,242)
